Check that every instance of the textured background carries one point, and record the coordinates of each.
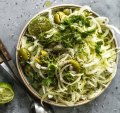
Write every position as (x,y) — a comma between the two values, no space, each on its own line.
(14,14)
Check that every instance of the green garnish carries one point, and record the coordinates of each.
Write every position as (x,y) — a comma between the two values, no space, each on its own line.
(98,47)
(47,82)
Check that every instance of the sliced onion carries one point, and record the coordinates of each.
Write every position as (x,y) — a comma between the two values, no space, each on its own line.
(102,20)
(106,33)
(23,42)
(61,76)
(50,16)
(98,25)
(95,61)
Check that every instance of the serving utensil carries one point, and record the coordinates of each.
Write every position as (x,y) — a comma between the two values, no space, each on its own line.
(7,64)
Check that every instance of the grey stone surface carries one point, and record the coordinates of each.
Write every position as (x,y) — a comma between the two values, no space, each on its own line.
(14,14)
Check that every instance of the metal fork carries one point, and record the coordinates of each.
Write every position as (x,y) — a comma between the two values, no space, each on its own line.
(7,63)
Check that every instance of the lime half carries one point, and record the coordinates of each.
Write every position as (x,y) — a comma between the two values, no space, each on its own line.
(38,25)
(6,93)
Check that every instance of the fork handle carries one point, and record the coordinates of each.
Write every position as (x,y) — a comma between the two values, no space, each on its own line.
(4,51)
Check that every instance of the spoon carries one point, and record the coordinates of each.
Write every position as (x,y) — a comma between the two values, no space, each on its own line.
(37,108)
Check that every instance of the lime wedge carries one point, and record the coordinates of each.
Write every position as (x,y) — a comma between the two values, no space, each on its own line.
(6,93)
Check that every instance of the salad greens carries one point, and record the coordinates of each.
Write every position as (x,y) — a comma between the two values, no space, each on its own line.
(69,55)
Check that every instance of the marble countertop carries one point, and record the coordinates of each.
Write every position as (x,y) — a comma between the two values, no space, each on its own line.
(14,14)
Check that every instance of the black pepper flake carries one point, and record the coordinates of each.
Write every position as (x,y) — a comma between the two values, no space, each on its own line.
(116,87)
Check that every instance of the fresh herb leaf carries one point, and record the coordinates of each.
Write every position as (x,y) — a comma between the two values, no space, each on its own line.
(52,67)
(68,77)
(98,47)
(74,19)
(47,81)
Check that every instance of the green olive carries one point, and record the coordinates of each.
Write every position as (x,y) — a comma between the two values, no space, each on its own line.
(75,65)
(43,53)
(58,17)
(24,54)
(38,25)
(67,11)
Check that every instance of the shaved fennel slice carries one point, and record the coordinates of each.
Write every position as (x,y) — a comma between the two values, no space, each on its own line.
(108,53)
(95,21)
(81,84)
(61,90)
(87,49)
(23,42)
(63,57)
(43,88)
(61,87)
(104,83)
(79,60)
(50,16)
(62,63)
(92,84)
(95,61)
(40,73)
(38,66)
(102,20)
(71,51)
(112,68)
(31,48)
(104,48)
(50,33)
(106,33)
(93,71)
(61,76)
(93,94)
(68,103)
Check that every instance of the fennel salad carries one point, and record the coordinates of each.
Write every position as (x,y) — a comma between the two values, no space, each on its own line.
(68,55)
